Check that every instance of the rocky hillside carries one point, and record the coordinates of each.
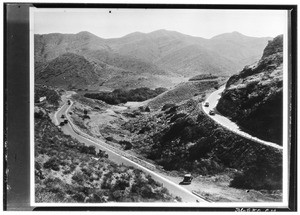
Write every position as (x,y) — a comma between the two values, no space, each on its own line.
(183,138)
(253,97)
(157,59)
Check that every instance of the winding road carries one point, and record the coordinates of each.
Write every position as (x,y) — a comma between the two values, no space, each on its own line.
(213,100)
(118,158)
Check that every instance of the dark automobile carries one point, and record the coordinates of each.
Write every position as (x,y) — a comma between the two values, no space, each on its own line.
(211,112)
(62,116)
(187,179)
(206,104)
(66,121)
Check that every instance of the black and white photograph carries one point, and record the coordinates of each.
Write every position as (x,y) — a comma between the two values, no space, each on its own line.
(159,107)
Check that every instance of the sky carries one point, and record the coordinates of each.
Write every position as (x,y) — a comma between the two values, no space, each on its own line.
(114,23)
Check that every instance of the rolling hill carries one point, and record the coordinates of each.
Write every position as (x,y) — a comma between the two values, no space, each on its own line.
(152,60)
(67,71)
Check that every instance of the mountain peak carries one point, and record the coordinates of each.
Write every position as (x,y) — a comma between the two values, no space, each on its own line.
(163,32)
(86,34)
(231,35)
(134,34)
(236,33)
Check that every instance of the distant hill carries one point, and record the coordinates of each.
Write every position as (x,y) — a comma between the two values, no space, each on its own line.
(150,60)
(50,46)
(68,70)
(253,97)
(241,49)
(188,55)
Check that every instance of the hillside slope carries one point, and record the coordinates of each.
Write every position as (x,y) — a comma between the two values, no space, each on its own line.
(183,92)
(183,138)
(188,55)
(66,170)
(67,71)
(156,59)
(253,98)
(241,49)
(113,69)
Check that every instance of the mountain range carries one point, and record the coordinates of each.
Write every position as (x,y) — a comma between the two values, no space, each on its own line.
(158,59)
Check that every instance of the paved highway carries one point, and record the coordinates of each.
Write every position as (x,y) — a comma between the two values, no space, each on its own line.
(72,130)
(213,100)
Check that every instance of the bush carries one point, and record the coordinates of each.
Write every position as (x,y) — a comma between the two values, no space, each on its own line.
(257,177)
(78,177)
(167,106)
(85,111)
(127,145)
(79,197)
(121,185)
(147,109)
(52,163)
(109,138)
(92,150)
(86,117)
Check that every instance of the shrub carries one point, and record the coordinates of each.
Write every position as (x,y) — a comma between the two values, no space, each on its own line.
(147,192)
(121,184)
(79,197)
(37,165)
(86,117)
(109,138)
(147,109)
(52,163)
(78,177)
(127,145)
(167,106)
(92,150)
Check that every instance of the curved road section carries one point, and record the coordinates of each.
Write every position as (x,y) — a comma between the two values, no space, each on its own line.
(213,100)
(72,130)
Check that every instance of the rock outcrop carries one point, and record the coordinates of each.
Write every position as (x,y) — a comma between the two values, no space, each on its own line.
(253,98)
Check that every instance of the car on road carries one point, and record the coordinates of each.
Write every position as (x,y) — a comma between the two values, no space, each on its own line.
(66,121)
(187,179)
(61,123)
(69,102)
(62,116)
(211,112)
(206,104)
